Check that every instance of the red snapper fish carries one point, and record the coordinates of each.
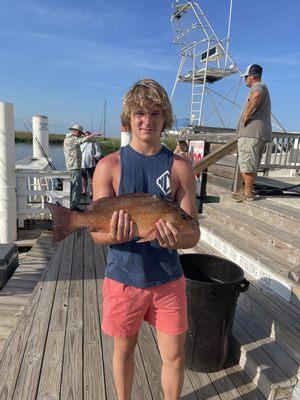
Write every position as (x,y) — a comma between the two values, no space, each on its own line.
(145,211)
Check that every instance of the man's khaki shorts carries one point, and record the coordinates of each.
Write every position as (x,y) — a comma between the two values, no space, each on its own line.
(250,152)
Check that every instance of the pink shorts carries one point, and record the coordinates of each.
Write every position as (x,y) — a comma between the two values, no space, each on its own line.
(125,307)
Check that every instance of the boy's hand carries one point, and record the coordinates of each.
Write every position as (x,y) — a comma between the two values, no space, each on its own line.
(121,227)
(168,235)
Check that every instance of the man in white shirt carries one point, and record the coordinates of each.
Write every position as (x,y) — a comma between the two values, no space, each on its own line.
(91,154)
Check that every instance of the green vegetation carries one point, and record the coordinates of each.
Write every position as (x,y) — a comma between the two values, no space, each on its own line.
(108,145)
(26,137)
(170,142)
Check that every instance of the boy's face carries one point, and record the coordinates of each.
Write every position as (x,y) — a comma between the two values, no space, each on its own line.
(147,123)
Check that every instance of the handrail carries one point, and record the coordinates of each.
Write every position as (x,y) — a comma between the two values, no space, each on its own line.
(214,156)
(39,186)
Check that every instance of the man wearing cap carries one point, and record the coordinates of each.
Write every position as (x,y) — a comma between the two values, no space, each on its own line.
(72,151)
(254,130)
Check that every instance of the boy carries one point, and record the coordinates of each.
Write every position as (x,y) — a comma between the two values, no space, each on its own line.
(144,281)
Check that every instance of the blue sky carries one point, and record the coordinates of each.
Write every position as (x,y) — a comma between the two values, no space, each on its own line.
(64,58)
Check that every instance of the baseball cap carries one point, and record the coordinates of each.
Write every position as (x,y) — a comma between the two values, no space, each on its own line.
(253,69)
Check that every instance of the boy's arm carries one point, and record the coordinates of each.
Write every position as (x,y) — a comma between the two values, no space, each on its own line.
(185,197)
(121,226)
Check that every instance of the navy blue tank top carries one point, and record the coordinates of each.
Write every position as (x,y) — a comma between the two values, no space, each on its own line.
(144,264)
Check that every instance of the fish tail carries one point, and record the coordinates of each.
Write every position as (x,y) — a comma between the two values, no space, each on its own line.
(63,221)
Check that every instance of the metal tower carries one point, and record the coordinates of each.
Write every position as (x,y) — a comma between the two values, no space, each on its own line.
(204,57)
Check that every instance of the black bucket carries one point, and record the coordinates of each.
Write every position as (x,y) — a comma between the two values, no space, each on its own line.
(213,286)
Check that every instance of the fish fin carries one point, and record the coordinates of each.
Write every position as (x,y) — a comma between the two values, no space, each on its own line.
(151,235)
(62,221)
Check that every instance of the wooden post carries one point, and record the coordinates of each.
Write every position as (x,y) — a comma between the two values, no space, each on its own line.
(8,209)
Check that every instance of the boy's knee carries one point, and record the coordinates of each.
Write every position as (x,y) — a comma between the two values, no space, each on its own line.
(123,356)
(175,361)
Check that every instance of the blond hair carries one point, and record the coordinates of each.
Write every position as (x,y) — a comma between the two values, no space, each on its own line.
(146,93)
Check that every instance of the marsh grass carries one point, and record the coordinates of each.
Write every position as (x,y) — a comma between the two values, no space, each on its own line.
(108,145)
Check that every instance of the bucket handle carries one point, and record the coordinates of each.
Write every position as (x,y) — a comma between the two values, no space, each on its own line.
(244,286)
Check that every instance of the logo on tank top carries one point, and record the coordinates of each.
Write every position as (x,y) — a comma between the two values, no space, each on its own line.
(163,182)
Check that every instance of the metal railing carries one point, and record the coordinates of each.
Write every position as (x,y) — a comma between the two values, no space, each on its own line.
(35,189)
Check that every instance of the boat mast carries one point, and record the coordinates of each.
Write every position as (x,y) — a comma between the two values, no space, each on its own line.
(103,120)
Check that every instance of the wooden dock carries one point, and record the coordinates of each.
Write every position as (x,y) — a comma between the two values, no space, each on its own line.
(56,349)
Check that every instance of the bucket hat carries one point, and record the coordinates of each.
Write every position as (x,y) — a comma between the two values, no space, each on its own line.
(76,127)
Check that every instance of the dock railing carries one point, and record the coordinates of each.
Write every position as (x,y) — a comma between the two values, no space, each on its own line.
(282,153)
(37,188)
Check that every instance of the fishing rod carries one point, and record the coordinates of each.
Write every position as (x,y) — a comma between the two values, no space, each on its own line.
(41,148)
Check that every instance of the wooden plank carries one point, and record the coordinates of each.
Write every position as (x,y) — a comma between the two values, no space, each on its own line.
(221,170)
(8,318)
(229,161)
(19,285)
(257,291)
(248,244)
(11,311)
(27,277)
(241,381)
(50,379)
(285,218)
(5,330)
(258,365)
(27,383)
(271,348)
(285,334)
(72,385)
(14,348)
(224,183)
(286,246)
(16,300)
(203,387)
(93,369)
(224,385)
(214,156)
(11,360)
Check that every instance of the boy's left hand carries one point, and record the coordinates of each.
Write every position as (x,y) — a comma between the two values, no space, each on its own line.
(168,235)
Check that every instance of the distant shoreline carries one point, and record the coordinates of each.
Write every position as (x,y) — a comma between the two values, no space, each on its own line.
(26,137)
(108,145)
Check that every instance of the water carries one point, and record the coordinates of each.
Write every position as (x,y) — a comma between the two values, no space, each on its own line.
(56,153)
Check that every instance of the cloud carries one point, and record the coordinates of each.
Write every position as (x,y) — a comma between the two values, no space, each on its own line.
(270,58)
(90,12)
